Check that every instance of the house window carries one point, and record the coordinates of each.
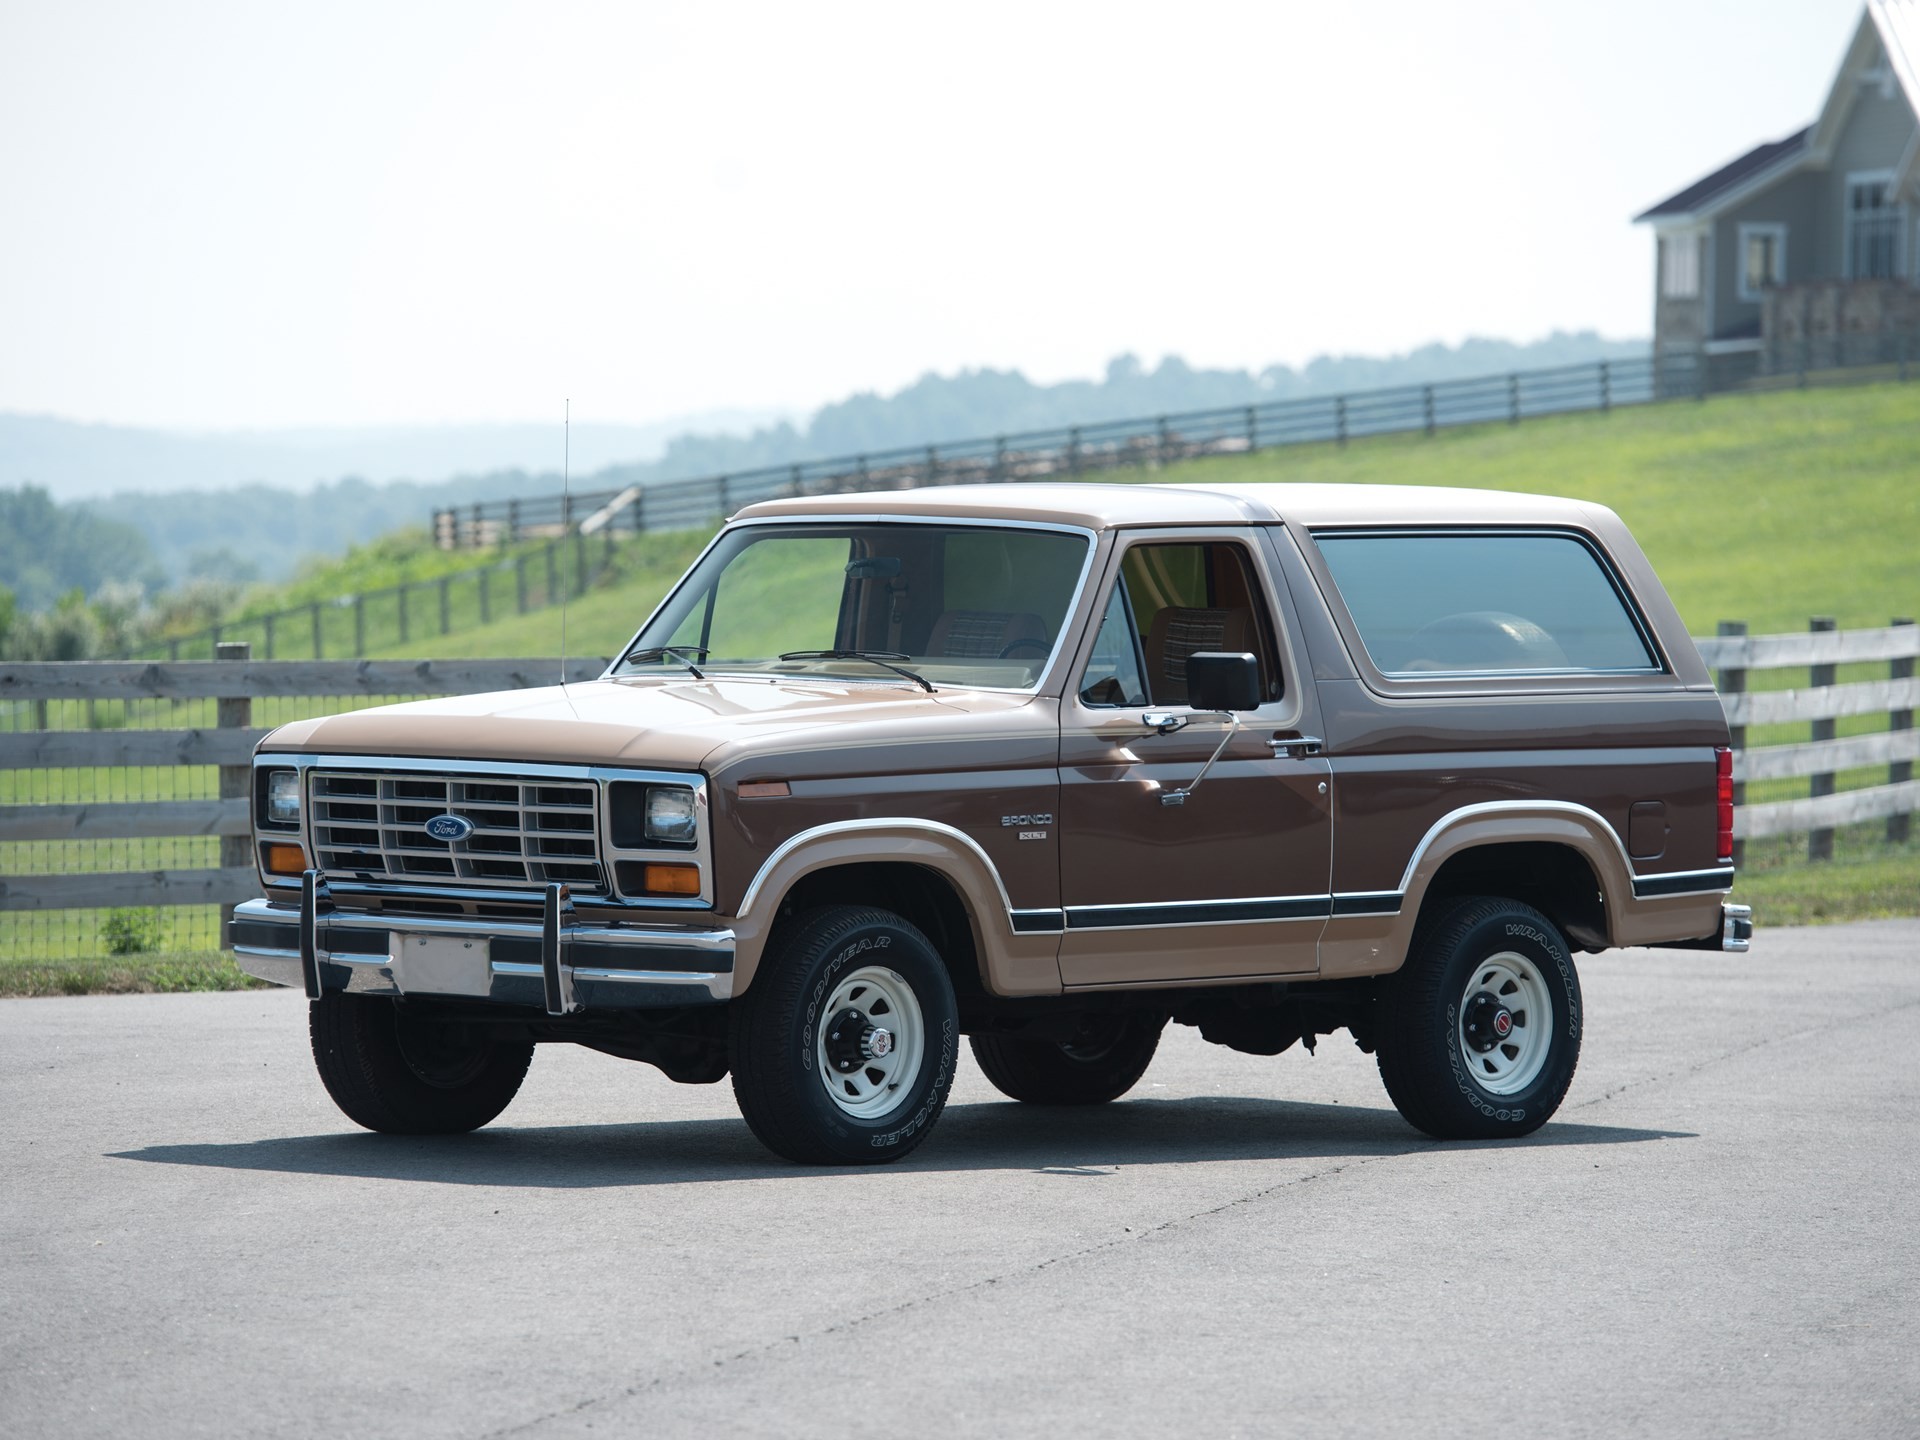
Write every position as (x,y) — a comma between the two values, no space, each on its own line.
(1873,227)
(1679,266)
(1763,259)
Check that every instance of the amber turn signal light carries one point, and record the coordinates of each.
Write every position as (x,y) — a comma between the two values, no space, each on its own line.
(671,879)
(285,859)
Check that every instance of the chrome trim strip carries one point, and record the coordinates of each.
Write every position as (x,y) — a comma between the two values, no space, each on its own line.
(1037,922)
(1367,902)
(1683,882)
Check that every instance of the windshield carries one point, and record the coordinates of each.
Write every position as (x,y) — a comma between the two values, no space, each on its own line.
(962,604)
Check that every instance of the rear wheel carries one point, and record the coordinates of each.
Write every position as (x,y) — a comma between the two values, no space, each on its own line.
(1103,1061)
(396,1072)
(1480,1031)
(843,1048)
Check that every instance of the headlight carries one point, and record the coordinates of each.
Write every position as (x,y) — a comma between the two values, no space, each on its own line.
(670,814)
(283,797)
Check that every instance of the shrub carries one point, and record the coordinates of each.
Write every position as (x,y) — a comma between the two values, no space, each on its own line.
(131,932)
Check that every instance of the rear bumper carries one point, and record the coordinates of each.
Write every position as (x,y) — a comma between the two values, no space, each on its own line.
(1734,936)
(556,964)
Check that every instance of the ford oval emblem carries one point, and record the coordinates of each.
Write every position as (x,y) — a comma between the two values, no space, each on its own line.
(449,827)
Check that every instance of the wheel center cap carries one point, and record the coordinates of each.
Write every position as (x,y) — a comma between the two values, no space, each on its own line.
(1503,1023)
(878,1044)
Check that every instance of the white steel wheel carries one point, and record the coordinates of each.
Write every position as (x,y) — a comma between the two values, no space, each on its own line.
(1506,1023)
(872,1041)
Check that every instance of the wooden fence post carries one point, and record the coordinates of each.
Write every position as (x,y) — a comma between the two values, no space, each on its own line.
(520,582)
(1073,450)
(1166,440)
(486,596)
(513,521)
(1253,430)
(1340,420)
(1513,398)
(1606,388)
(233,712)
(359,626)
(319,650)
(1899,827)
(1426,408)
(446,619)
(1732,680)
(1820,838)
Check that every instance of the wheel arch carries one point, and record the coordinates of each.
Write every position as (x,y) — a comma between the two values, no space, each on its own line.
(1564,860)
(931,874)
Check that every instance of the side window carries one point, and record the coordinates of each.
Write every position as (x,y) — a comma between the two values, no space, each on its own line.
(1468,603)
(1113,672)
(1172,601)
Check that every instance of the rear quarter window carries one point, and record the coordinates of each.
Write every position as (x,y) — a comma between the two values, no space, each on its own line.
(1478,603)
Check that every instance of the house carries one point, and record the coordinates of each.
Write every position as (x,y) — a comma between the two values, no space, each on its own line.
(1804,251)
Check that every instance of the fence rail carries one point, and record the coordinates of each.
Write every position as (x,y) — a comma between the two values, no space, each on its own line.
(147,693)
(1074,450)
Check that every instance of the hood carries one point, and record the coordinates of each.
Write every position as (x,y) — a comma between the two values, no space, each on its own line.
(672,724)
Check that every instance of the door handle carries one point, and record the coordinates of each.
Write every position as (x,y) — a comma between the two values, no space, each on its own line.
(1166,721)
(1296,747)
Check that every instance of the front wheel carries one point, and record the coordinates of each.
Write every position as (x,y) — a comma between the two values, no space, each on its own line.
(398,1073)
(1480,1030)
(1103,1061)
(843,1048)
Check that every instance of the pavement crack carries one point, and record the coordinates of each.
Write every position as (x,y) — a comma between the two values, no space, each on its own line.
(851,1323)
(1781,1037)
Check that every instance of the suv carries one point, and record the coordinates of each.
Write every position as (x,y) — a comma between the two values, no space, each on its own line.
(1047,766)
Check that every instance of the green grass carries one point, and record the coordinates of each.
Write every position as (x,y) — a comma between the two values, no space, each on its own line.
(124,975)
(1867,879)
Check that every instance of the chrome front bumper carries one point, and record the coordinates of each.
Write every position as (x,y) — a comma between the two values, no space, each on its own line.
(555,964)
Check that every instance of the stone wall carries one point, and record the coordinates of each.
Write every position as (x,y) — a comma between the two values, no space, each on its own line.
(1822,323)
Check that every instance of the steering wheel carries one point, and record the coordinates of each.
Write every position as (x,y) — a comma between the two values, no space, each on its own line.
(1044,647)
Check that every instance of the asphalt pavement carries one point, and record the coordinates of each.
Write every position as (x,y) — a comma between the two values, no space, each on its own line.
(1718,1235)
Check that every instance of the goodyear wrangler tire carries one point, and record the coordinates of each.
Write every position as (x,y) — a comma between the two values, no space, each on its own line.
(394,1073)
(843,1048)
(1101,1063)
(1480,1030)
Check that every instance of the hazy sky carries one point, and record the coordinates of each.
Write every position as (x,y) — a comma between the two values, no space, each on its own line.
(222,215)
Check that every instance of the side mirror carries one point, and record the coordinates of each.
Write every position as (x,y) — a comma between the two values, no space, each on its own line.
(1220,681)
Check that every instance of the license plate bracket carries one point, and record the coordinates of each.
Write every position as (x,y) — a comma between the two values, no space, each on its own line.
(440,964)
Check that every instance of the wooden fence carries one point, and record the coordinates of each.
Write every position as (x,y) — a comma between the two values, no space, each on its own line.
(1863,775)
(1825,756)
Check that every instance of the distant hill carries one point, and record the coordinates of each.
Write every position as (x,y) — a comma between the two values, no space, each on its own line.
(74,461)
(321,504)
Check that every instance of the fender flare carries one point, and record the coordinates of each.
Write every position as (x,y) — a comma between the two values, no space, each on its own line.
(1507,822)
(894,840)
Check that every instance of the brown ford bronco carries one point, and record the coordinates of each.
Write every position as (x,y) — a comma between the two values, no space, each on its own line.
(1045,765)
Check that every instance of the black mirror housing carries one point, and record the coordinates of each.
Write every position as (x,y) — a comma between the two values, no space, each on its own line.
(1217,680)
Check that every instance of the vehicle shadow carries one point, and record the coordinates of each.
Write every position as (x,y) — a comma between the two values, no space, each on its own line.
(987,1136)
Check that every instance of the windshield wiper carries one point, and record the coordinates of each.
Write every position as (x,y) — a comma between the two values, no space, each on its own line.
(883,658)
(678,652)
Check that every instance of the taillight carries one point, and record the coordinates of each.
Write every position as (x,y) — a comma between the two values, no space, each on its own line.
(1723,765)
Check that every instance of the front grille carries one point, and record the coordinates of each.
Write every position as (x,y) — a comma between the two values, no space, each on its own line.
(527,830)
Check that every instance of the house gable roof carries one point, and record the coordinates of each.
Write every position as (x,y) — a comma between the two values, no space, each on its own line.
(1776,154)
(1892,26)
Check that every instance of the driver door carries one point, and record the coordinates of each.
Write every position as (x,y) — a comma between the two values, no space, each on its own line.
(1235,879)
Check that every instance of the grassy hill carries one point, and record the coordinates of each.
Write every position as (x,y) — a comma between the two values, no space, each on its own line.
(1767,508)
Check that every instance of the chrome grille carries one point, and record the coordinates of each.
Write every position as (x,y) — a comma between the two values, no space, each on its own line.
(527,830)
